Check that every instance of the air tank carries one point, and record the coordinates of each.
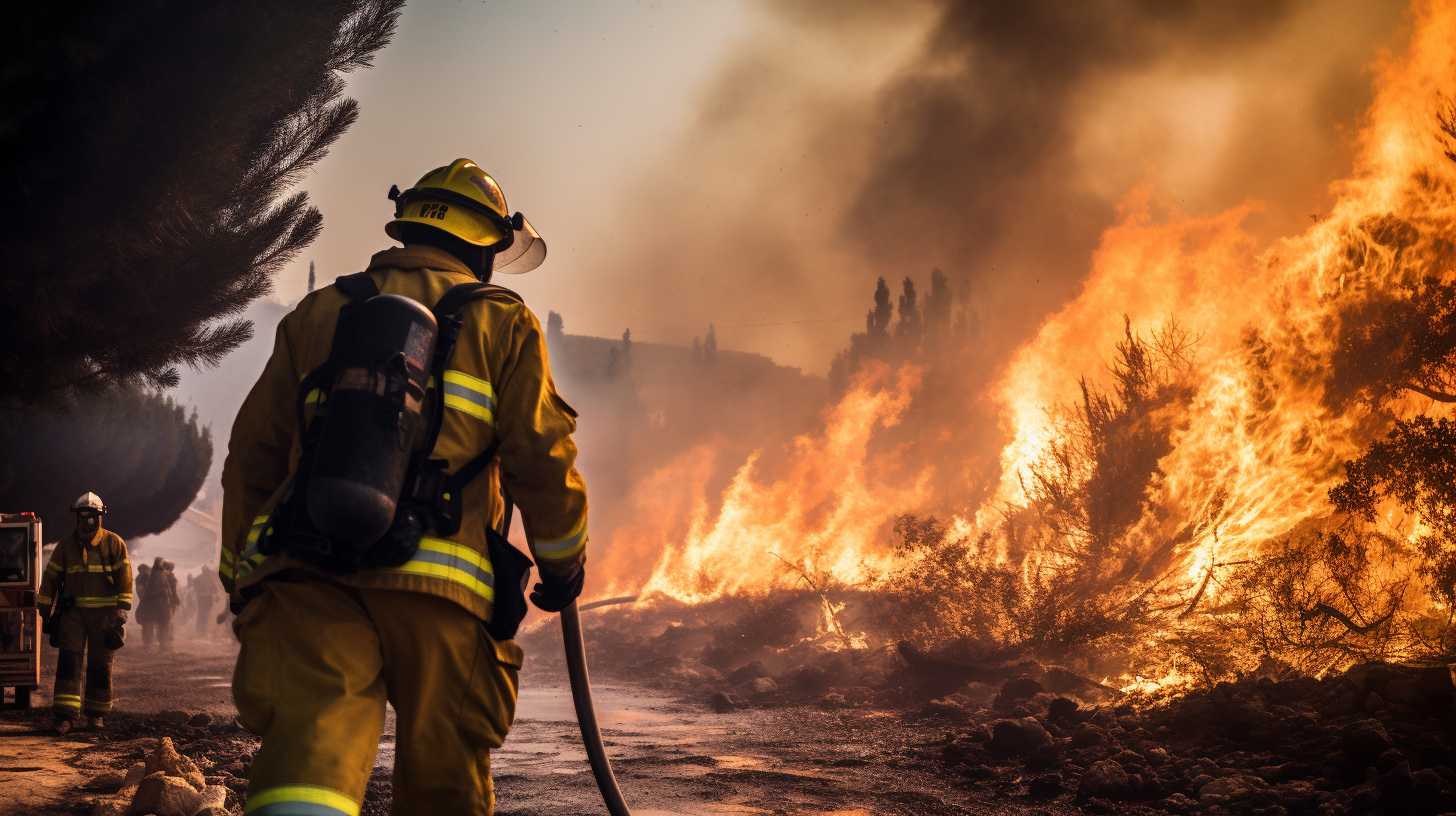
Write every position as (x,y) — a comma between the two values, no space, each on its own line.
(374,418)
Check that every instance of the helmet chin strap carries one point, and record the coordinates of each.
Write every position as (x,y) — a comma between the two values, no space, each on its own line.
(487,266)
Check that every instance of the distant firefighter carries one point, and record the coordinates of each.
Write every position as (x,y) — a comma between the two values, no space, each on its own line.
(205,594)
(159,604)
(84,597)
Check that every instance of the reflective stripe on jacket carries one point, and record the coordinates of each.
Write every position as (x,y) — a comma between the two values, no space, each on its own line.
(497,385)
(94,574)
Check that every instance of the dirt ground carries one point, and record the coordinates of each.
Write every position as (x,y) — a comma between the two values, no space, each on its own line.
(672,756)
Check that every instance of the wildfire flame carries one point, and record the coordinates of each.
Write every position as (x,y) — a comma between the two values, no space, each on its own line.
(1253,454)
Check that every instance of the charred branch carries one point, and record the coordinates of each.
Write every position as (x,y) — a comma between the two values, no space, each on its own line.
(1325,610)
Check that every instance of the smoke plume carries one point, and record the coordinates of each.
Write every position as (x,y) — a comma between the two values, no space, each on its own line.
(849,141)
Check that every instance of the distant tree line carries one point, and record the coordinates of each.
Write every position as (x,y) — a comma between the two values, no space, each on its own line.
(904,330)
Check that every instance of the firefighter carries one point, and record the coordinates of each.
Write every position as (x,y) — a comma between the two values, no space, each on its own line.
(85,595)
(156,606)
(322,650)
(166,581)
(143,577)
(205,590)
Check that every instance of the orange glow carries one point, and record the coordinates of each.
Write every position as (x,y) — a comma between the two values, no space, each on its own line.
(1254,450)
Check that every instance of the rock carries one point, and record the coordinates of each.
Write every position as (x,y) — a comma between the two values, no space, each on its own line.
(200,720)
(1105,779)
(111,807)
(763,685)
(109,782)
(174,717)
(747,673)
(214,797)
(166,759)
(1178,803)
(136,773)
(722,702)
(1396,786)
(1087,735)
(1061,708)
(1022,737)
(809,680)
(1229,787)
(943,708)
(1015,691)
(1389,759)
(1045,786)
(1364,741)
(165,795)
(833,699)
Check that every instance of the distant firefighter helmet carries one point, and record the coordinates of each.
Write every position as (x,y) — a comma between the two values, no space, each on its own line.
(464,201)
(89,501)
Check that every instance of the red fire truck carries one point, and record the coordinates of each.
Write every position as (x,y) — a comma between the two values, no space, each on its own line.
(20,637)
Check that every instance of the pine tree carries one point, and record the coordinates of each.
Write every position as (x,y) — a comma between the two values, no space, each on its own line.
(909,328)
(311,278)
(147,149)
(710,345)
(877,323)
(143,454)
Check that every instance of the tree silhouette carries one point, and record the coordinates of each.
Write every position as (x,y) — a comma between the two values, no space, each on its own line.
(710,345)
(908,330)
(145,149)
(877,322)
(938,306)
(1414,465)
(311,279)
(140,451)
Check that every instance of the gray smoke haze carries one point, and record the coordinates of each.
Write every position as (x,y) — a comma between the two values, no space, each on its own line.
(846,141)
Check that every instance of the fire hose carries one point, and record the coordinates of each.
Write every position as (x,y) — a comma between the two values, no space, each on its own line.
(586,712)
(581,694)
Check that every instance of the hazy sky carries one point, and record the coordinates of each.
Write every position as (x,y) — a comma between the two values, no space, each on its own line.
(758,163)
(564,102)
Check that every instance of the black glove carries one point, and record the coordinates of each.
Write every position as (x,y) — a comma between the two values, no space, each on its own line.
(118,617)
(554,594)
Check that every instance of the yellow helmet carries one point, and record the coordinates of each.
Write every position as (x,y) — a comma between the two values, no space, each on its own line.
(466,202)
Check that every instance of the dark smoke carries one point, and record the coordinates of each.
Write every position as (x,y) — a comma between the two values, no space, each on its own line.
(848,141)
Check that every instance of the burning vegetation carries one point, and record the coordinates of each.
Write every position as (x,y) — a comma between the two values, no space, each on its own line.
(1218,456)
(1222,504)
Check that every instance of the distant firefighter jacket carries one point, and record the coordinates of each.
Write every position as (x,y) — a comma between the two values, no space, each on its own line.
(90,574)
(497,388)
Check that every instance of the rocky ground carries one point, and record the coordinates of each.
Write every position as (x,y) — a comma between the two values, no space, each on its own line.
(698,728)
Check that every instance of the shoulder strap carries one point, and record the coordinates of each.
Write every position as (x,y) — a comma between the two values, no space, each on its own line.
(447,312)
(358,287)
(457,481)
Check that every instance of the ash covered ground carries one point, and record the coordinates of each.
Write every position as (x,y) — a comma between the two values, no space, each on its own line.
(718,719)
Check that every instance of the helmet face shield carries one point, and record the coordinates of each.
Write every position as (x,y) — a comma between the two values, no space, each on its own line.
(527,249)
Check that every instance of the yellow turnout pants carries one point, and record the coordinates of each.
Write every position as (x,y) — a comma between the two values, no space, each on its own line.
(318,662)
(82,641)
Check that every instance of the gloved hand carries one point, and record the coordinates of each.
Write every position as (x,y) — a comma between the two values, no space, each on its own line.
(45,621)
(554,594)
(118,617)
